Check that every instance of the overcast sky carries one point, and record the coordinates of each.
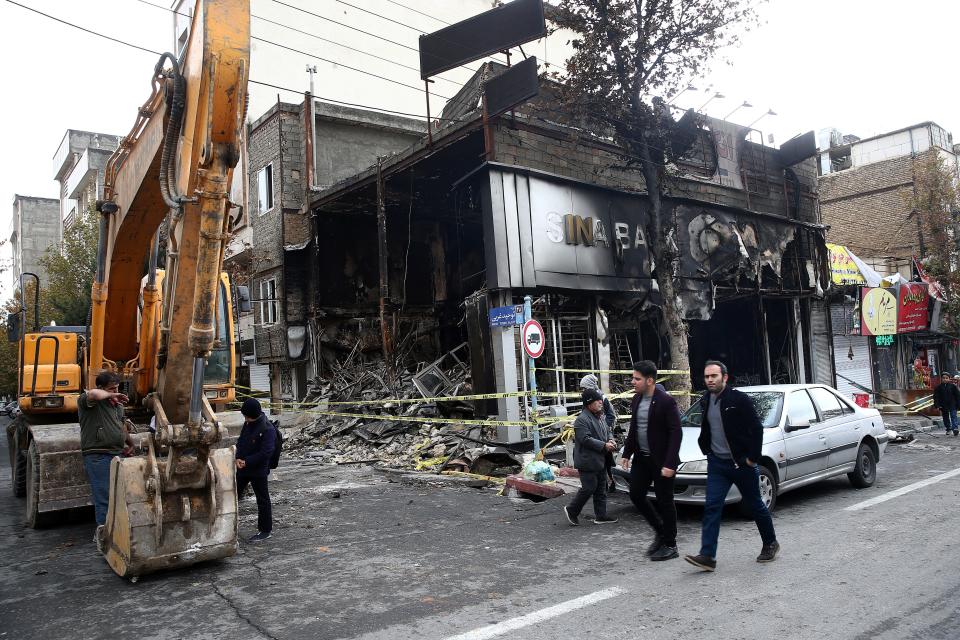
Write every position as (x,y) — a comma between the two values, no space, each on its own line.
(862,66)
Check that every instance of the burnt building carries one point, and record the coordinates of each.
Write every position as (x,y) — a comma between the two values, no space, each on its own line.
(294,151)
(419,246)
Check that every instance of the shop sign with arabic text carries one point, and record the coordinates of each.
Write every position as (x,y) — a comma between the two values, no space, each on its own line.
(912,314)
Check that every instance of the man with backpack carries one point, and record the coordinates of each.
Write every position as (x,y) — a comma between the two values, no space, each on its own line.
(255,453)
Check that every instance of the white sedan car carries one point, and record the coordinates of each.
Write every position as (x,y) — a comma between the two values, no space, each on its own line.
(811,433)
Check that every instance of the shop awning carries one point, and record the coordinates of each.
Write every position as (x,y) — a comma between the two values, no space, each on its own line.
(846,268)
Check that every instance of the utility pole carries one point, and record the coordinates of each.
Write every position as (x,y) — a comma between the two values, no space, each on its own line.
(311,69)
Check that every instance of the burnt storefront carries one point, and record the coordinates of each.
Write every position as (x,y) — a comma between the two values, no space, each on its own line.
(412,254)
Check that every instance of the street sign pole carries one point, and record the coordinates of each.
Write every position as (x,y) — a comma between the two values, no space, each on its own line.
(532,377)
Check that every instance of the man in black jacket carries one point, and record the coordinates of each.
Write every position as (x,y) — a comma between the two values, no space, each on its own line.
(592,440)
(946,397)
(254,449)
(731,436)
(654,445)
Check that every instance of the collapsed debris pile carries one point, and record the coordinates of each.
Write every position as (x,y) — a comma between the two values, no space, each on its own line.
(407,429)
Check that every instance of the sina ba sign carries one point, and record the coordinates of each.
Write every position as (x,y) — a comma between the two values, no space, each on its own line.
(574,229)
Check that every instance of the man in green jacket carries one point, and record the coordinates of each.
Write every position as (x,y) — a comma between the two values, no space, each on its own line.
(103,436)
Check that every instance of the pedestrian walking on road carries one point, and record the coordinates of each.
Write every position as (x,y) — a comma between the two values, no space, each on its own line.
(103,437)
(590,381)
(946,398)
(592,440)
(254,449)
(652,454)
(731,436)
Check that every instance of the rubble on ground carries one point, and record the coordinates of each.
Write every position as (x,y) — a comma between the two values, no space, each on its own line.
(350,386)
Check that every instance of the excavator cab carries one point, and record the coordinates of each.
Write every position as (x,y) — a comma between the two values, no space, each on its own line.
(49,360)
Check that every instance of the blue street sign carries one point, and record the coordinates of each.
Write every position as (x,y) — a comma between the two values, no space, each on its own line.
(503,317)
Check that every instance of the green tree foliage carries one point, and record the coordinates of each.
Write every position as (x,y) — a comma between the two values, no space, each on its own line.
(8,352)
(935,201)
(625,50)
(71,267)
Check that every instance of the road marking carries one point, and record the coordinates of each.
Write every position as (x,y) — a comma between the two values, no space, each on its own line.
(539,616)
(896,493)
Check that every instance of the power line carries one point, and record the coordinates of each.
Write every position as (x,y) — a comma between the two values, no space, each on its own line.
(252,81)
(306,33)
(76,26)
(347,26)
(372,35)
(426,15)
(345,66)
(339,44)
(382,17)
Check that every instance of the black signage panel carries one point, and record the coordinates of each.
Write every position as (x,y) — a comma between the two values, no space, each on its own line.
(514,86)
(491,31)
(799,148)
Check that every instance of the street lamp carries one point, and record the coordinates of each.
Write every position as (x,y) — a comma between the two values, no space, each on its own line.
(770,112)
(737,108)
(710,99)
(689,87)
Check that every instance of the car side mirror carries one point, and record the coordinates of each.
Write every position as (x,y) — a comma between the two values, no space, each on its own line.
(796,425)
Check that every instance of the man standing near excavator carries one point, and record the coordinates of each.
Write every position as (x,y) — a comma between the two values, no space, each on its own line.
(103,436)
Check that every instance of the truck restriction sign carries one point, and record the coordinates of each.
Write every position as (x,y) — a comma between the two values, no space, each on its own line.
(532,336)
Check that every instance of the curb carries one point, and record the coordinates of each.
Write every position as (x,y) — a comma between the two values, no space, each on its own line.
(418,478)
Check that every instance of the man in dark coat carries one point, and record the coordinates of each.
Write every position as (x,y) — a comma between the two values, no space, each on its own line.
(731,436)
(591,441)
(254,450)
(654,445)
(946,397)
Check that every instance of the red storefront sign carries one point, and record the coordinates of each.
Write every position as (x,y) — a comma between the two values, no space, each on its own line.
(912,312)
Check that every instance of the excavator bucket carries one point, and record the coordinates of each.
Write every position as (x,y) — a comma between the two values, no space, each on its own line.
(152,529)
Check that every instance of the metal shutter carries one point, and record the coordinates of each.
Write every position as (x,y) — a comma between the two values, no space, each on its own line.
(821,357)
(857,369)
(259,376)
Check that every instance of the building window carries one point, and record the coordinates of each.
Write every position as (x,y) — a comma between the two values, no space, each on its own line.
(265,189)
(268,301)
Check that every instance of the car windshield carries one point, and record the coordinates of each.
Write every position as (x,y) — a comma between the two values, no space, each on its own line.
(768,404)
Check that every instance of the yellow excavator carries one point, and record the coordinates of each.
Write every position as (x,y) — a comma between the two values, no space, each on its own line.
(176,504)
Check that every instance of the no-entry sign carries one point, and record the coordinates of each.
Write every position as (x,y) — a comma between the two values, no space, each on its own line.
(532,336)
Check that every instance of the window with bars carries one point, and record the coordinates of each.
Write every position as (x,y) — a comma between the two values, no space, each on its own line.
(268,301)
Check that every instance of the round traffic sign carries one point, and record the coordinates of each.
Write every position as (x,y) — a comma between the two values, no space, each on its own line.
(532,337)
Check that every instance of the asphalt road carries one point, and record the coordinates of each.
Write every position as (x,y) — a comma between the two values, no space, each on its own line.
(357,556)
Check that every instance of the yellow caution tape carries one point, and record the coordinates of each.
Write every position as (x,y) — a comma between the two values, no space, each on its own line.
(475,476)
(431,462)
(665,372)
(425,420)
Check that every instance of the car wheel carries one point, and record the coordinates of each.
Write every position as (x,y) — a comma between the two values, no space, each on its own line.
(768,492)
(768,488)
(865,473)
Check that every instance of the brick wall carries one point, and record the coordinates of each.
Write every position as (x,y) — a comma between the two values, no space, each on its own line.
(581,157)
(868,208)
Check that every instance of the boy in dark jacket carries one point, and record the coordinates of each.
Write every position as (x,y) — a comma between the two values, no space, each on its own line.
(254,449)
(731,436)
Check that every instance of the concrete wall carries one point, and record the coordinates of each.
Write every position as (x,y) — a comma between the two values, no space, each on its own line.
(71,156)
(349,140)
(35,228)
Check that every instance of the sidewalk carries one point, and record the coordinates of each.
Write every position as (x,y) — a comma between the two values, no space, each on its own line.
(912,424)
